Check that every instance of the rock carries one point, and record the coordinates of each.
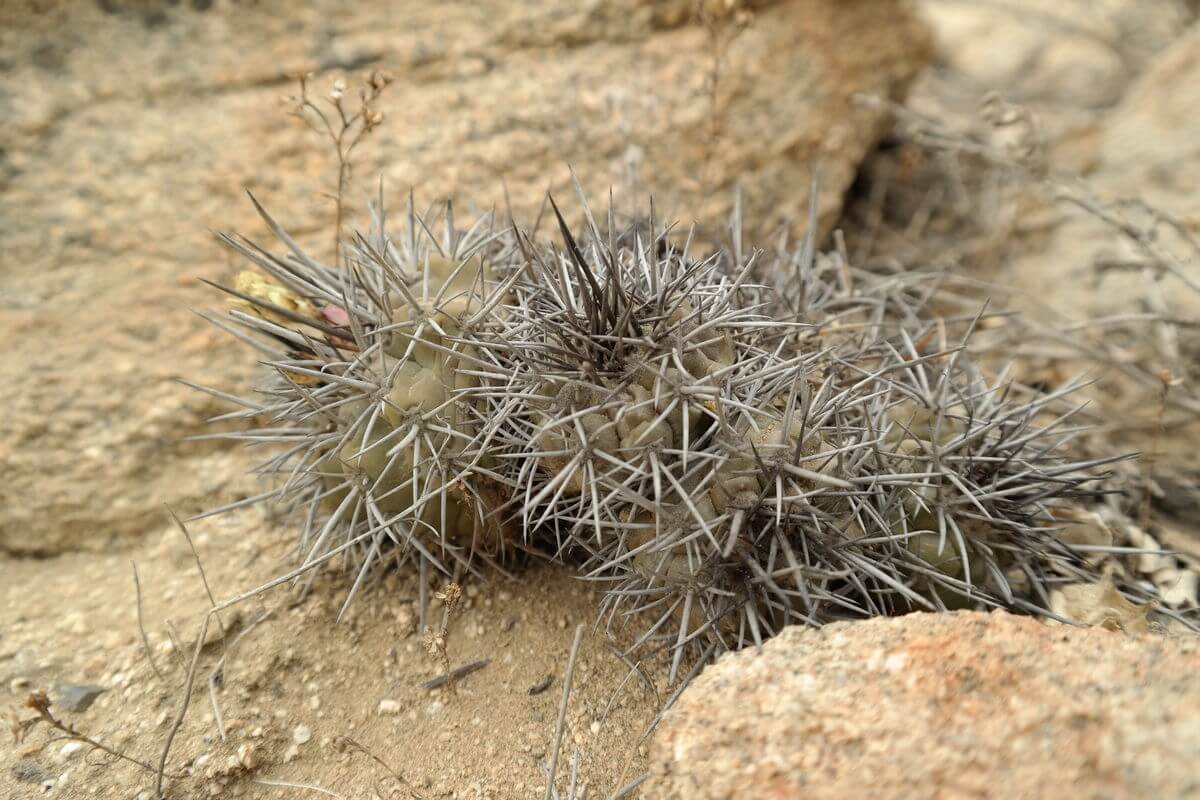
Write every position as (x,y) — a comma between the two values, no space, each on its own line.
(1069,52)
(77,699)
(246,756)
(1179,496)
(954,705)
(1100,604)
(388,707)
(302,734)
(27,771)
(69,749)
(1144,149)
(1147,152)
(125,142)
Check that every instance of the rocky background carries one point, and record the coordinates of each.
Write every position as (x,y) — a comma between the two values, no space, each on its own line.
(132,128)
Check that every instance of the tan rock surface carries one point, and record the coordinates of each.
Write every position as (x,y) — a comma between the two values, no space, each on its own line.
(1077,53)
(964,705)
(132,127)
(1145,149)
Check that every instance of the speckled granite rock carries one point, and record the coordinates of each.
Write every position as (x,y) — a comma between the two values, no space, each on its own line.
(131,127)
(963,705)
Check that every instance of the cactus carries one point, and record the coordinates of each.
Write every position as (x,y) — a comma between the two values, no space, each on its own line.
(726,444)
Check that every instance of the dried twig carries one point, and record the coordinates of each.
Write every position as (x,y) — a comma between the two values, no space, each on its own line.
(176,644)
(433,641)
(628,788)
(455,674)
(399,778)
(39,701)
(137,585)
(562,711)
(288,785)
(344,129)
(199,565)
(724,22)
(218,671)
(184,703)
(1152,458)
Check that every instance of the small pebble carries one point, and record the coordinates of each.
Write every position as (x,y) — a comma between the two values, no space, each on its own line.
(28,772)
(389,707)
(302,734)
(69,749)
(78,698)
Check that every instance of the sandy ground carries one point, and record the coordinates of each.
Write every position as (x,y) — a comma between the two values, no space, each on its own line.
(295,682)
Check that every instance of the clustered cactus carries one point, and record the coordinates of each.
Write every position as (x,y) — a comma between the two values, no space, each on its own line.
(725,443)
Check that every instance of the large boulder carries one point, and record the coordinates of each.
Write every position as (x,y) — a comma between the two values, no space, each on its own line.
(1143,150)
(948,706)
(130,129)
(1051,53)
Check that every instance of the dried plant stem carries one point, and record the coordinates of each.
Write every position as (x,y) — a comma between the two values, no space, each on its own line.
(199,565)
(398,776)
(560,725)
(308,786)
(453,675)
(1151,459)
(40,702)
(435,642)
(345,130)
(628,788)
(137,585)
(183,705)
(723,25)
